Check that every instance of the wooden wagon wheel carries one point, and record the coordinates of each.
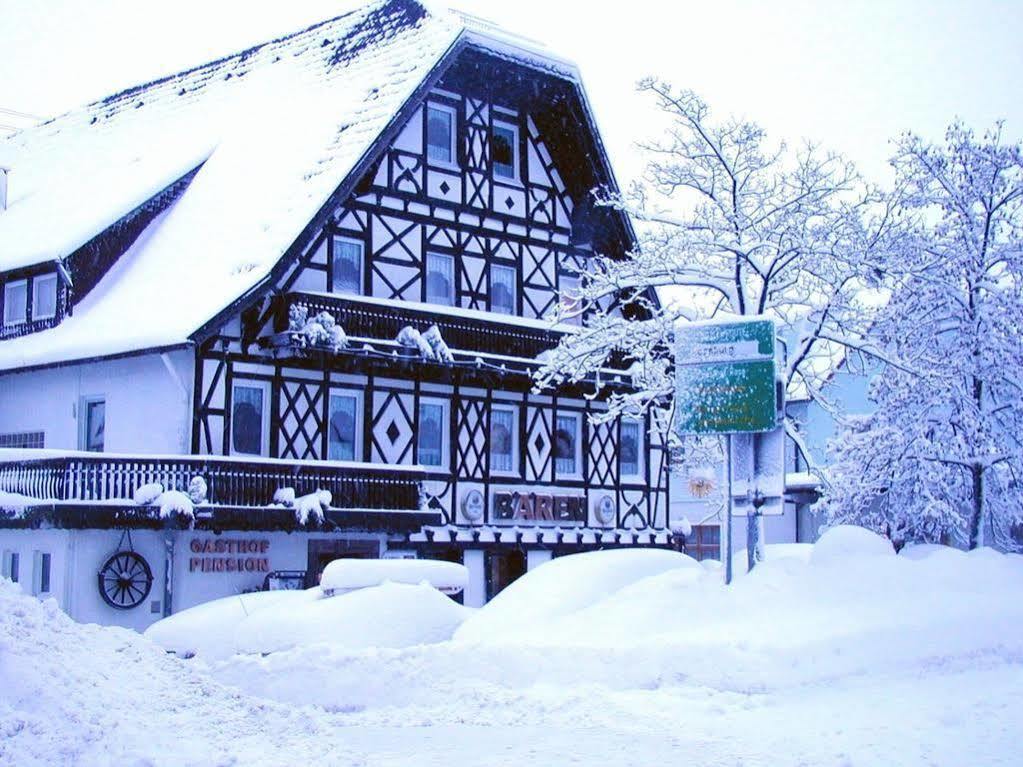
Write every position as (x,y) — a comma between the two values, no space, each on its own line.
(125,580)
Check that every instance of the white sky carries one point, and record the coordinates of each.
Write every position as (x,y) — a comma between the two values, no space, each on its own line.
(849,75)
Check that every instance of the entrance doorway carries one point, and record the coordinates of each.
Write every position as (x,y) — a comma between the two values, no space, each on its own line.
(323,551)
(503,569)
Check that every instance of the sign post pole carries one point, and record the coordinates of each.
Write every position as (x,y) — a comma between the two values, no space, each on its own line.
(728,511)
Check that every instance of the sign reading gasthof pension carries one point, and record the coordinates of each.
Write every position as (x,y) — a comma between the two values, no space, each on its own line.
(725,377)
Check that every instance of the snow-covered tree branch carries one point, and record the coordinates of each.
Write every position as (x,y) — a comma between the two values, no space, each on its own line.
(730,225)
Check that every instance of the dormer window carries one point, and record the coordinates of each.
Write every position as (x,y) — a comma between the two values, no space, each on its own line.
(15,302)
(440,134)
(504,142)
(44,297)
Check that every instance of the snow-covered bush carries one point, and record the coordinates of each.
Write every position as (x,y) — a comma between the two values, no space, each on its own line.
(147,493)
(411,338)
(312,506)
(198,490)
(441,352)
(318,332)
(430,345)
(174,503)
(284,496)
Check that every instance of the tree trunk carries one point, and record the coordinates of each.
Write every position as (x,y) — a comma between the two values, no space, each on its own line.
(977,517)
(977,472)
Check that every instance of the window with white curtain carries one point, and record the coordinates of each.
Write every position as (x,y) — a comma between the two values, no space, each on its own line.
(502,289)
(440,279)
(504,439)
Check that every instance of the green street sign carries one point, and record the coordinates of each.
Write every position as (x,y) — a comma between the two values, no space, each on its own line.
(725,377)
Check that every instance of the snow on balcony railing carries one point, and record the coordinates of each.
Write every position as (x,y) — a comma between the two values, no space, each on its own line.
(231,481)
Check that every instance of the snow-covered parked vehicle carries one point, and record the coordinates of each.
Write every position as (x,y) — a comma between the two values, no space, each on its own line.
(344,575)
(359,604)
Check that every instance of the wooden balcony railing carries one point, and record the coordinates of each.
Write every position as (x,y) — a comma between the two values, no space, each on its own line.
(230,481)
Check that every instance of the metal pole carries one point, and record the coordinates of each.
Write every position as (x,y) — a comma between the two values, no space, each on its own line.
(728,511)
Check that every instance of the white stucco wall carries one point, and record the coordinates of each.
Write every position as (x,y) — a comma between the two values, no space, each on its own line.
(148,409)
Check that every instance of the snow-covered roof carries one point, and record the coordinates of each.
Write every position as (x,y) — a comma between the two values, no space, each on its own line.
(276,130)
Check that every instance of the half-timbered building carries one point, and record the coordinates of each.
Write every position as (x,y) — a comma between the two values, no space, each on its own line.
(327,263)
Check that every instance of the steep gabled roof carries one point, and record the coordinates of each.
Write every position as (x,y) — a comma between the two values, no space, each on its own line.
(276,130)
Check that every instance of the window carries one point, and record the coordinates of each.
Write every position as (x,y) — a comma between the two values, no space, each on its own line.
(347,265)
(42,574)
(16,302)
(248,418)
(343,428)
(504,439)
(630,448)
(504,141)
(567,445)
(704,542)
(44,297)
(440,133)
(93,424)
(22,440)
(432,439)
(440,279)
(569,299)
(502,289)
(10,565)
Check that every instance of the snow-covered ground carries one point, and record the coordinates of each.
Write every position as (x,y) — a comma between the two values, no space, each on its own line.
(845,654)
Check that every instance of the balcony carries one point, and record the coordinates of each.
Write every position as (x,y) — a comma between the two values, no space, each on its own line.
(238,489)
(462,329)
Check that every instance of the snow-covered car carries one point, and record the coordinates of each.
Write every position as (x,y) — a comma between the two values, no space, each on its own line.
(344,575)
(373,604)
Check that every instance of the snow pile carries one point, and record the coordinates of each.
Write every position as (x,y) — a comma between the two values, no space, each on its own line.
(91,695)
(843,542)
(349,574)
(318,332)
(566,585)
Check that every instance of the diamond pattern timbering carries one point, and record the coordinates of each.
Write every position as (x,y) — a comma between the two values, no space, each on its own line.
(602,455)
(301,408)
(392,427)
(539,436)
(472,439)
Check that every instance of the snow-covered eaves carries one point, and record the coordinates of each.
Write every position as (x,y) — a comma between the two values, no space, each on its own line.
(278,129)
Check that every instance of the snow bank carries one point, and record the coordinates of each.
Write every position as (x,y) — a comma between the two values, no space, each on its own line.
(563,586)
(847,541)
(73,694)
(348,574)
(388,616)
